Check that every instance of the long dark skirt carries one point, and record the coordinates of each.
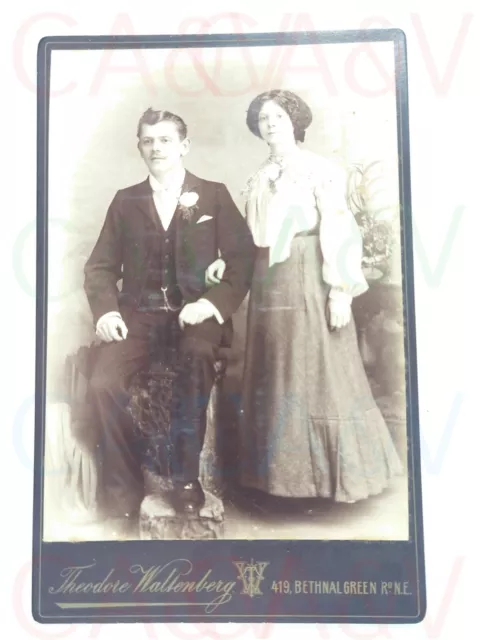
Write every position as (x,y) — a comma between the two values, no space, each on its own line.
(311,427)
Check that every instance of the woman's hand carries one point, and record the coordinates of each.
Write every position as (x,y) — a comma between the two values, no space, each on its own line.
(214,273)
(339,308)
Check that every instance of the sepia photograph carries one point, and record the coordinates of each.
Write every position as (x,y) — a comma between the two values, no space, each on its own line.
(226,331)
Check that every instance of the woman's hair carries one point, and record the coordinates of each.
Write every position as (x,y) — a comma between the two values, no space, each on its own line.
(296,108)
(152,116)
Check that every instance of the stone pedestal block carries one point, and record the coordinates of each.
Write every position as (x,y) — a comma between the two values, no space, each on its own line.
(159,521)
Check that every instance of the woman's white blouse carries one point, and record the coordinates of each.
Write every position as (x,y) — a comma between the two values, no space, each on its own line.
(285,197)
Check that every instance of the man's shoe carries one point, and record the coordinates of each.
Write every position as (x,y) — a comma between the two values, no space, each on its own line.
(189,497)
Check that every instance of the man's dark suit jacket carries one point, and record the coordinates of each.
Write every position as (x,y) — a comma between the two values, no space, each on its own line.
(123,248)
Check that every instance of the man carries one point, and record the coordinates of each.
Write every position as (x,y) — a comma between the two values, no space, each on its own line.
(159,237)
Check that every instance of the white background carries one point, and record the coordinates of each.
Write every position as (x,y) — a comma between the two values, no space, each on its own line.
(443,55)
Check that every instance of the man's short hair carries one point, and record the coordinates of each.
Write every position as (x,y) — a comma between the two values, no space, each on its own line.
(153,116)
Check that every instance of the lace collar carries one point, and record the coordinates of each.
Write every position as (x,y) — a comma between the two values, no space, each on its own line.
(300,164)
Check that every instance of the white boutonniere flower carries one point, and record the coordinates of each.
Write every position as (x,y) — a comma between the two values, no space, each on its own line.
(188,199)
(188,203)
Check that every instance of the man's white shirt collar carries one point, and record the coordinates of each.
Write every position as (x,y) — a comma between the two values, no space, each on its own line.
(174,185)
(165,197)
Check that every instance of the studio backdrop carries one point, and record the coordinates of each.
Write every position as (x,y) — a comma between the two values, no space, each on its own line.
(97,98)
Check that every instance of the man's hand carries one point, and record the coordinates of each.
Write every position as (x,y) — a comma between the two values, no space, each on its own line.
(214,273)
(195,313)
(339,310)
(111,328)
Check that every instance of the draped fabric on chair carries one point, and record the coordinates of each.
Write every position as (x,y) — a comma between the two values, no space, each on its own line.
(71,479)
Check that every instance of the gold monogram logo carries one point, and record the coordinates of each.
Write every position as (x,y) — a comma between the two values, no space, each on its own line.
(251,576)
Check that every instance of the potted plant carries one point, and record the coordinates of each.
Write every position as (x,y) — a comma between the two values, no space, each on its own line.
(373,200)
(370,202)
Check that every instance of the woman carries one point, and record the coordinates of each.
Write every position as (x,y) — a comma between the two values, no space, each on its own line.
(311,427)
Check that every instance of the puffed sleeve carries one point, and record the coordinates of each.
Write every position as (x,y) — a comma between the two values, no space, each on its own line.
(340,237)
